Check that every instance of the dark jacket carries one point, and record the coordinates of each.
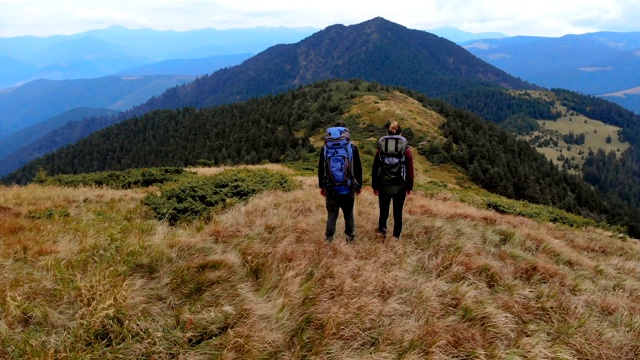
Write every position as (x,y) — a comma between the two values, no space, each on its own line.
(376,180)
(357,168)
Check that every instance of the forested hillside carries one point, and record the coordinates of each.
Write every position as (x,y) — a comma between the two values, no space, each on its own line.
(376,50)
(53,140)
(615,174)
(280,128)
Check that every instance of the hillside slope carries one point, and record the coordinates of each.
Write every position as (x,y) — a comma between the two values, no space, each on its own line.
(282,129)
(88,273)
(50,135)
(375,50)
(38,100)
(13,142)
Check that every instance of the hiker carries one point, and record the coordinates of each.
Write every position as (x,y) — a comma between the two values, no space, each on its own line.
(339,179)
(392,177)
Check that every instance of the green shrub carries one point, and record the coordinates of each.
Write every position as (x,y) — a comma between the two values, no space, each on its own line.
(538,212)
(198,198)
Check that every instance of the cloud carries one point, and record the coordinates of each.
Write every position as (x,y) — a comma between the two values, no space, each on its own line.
(540,17)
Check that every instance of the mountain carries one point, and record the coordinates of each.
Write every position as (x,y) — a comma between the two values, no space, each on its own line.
(195,44)
(38,100)
(14,71)
(38,107)
(385,53)
(596,64)
(98,53)
(460,37)
(189,67)
(40,139)
(86,57)
(73,58)
(22,47)
(375,50)
(24,136)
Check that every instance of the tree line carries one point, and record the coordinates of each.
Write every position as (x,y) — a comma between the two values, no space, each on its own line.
(494,159)
(273,129)
(276,128)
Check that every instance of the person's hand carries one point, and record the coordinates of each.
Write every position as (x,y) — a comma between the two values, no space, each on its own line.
(323,192)
(375,192)
(358,191)
(408,192)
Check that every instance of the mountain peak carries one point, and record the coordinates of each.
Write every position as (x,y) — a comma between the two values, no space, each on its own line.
(380,23)
(378,20)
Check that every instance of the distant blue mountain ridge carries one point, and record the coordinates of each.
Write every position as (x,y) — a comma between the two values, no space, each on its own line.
(118,50)
(39,100)
(191,67)
(19,139)
(460,37)
(602,63)
(98,53)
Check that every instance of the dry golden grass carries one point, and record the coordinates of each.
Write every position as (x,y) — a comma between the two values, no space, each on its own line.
(218,169)
(396,106)
(104,279)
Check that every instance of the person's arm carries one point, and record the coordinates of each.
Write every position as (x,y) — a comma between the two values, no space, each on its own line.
(357,168)
(410,172)
(375,179)
(321,172)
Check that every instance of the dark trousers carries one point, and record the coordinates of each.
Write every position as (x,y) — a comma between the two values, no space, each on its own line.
(335,202)
(398,203)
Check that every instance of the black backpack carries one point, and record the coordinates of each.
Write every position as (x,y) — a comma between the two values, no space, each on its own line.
(393,171)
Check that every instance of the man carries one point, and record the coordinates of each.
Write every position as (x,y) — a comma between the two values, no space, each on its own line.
(339,179)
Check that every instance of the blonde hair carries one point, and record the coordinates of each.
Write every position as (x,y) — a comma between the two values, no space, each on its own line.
(394,129)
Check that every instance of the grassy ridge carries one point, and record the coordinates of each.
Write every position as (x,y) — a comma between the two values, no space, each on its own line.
(258,281)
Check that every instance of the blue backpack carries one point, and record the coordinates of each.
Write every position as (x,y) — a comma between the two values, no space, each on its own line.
(338,158)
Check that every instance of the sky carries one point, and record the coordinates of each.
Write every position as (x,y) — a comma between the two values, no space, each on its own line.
(552,18)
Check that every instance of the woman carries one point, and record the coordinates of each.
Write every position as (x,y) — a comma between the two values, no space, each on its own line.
(392,177)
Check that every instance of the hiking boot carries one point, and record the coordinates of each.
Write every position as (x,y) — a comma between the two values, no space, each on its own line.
(351,238)
(382,233)
(328,239)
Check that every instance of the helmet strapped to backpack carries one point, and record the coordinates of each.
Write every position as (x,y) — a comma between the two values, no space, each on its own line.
(338,160)
(391,149)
